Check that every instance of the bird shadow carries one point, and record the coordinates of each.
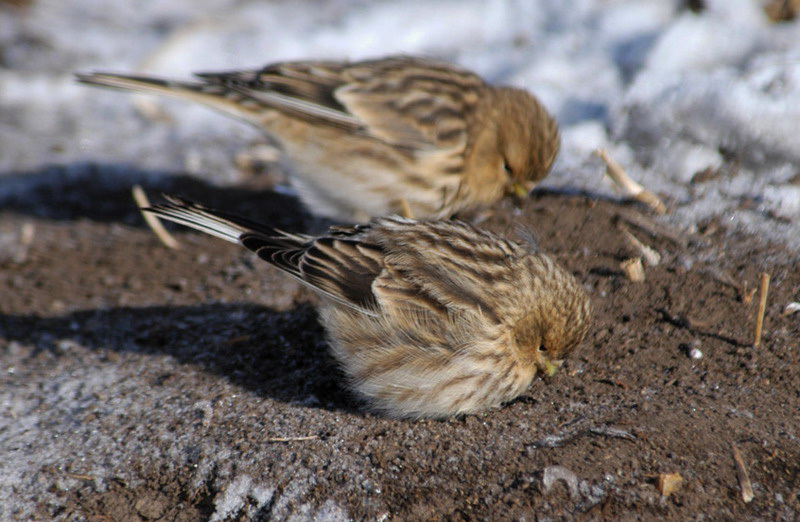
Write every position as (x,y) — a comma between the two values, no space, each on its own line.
(280,355)
(102,193)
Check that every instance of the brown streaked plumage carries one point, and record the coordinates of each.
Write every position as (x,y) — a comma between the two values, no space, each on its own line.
(364,136)
(427,319)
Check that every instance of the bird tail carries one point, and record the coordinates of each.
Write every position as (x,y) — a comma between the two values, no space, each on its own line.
(216,223)
(213,95)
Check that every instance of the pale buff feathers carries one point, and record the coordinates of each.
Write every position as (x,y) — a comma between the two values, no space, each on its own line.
(365,136)
(427,319)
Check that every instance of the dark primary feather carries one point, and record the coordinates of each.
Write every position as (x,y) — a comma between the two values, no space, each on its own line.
(313,82)
(343,269)
(341,265)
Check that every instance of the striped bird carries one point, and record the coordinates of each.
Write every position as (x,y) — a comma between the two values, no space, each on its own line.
(373,138)
(427,319)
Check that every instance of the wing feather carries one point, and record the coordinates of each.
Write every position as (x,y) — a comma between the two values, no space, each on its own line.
(341,265)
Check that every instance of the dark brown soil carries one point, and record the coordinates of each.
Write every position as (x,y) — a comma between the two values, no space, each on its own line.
(216,355)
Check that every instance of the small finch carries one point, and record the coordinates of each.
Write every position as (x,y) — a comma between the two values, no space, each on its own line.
(393,135)
(427,319)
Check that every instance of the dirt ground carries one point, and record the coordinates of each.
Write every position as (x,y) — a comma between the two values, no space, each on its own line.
(195,384)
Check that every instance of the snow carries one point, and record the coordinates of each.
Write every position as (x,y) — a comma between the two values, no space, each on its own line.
(233,501)
(667,91)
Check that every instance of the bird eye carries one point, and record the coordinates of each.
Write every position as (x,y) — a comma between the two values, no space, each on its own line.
(543,349)
(507,168)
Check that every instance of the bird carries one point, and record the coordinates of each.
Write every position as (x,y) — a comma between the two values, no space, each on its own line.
(395,135)
(427,319)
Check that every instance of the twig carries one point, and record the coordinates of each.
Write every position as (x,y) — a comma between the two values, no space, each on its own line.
(648,253)
(741,472)
(723,277)
(26,233)
(153,222)
(292,439)
(629,186)
(655,230)
(608,431)
(669,483)
(79,476)
(559,439)
(747,295)
(633,269)
(762,307)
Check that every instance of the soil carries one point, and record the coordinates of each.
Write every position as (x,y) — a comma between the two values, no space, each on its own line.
(201,387)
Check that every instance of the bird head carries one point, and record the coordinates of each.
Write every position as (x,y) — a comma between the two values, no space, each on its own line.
(557,321)
(537,344)
(527,139)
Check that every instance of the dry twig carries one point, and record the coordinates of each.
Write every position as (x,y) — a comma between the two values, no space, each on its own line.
(762,308)
(26,233)
(628,185)
(741,472)
(292,439)
(655,230)
(609,431)
(152,221)
(633,269)
(648,253)
(669,483)
(747,295)
(80,476)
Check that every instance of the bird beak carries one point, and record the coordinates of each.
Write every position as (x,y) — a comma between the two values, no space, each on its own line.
(520,190)
(551,367)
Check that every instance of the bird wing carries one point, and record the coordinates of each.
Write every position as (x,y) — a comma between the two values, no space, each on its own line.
(303,90)
(407,102)
(341,268)
(411,102)
(340,265)
(448,266)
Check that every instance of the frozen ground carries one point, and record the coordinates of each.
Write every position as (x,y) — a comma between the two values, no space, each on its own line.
(702,108)
(671,93)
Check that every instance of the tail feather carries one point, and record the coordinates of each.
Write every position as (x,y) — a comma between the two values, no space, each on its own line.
(150,84)
(224,225)
(215,96)
(199,218)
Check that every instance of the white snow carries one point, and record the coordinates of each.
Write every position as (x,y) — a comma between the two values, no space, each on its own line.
(670,92)
(232,502)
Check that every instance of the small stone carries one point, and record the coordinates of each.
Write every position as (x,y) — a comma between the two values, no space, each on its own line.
(791,308)
(552,474)
(692,349)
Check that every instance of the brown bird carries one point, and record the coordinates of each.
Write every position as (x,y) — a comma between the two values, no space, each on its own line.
(393,135)
(427,319)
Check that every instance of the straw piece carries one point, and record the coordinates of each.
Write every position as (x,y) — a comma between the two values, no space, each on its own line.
(153,222)
(628,185)
(741,472)
(762,308)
